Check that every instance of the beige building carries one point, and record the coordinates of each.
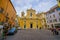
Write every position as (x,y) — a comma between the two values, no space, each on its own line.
(30,21)
(42,17)
(53,17)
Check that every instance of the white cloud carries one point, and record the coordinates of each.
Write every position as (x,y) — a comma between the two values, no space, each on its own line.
(44,6)
(38,5)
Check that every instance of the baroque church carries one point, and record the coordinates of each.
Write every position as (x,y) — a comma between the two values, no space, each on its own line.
(30,21)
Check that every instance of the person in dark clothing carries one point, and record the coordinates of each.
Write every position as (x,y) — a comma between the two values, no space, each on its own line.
(55,31)
(5,30)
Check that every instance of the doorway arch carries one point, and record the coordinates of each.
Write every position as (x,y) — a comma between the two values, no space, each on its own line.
(31,25)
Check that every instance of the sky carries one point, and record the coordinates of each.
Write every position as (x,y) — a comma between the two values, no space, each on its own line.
(38,5)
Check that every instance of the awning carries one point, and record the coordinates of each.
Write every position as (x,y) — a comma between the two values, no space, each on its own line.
(57,24)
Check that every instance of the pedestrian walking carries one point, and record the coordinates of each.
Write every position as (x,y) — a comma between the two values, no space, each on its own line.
(55,31)
(4,33)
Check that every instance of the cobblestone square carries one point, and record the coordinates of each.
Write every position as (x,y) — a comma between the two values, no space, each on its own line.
(34,35)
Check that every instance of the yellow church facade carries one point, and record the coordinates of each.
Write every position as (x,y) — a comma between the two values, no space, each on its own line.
(30,21)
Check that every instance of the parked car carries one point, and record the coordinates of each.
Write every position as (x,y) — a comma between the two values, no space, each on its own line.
(12,31)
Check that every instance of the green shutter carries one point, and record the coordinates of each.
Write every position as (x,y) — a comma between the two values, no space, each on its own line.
(1,23)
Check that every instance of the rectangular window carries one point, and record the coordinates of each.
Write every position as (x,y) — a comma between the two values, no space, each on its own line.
(59,14)
(7,14)
(1,10)
(47,21)
(31,14)
(52,25)
(55,20)
(48,25)
(24,26)
(50,16)
(47,17)
(54,15)
(59,19)
(50,21)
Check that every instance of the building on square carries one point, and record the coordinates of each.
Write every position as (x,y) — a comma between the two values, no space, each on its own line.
(53,17)
(30,21)
(7,12)
(42,17)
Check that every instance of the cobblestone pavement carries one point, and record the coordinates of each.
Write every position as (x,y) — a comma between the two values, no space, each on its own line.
(34,35)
